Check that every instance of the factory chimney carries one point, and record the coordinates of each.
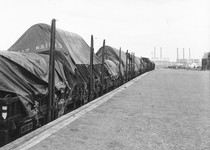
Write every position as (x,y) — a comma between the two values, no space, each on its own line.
(160,52)
(189,56)
(183,53)
(177,55)
(154,53)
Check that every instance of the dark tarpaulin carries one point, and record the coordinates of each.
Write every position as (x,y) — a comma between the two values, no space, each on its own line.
(18,79)
(112,68)
(141,64)
(206,55)
(206,61)
(84,70)
(147,63)
(26,74)
(113,55)
(37,39)
(137,63)
(110,53)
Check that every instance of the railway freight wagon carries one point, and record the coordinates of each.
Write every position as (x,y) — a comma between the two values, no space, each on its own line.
(37,40)
(79,76)
(114,63)
(25,79)
(206,61)
(129,67)
(24,92)
(148,64)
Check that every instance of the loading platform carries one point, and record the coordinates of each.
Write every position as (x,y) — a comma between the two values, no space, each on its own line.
(162,110)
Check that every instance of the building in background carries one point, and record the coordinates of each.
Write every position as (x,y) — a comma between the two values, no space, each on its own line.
(159,60)
(187,62)
(184,62)
(165,62)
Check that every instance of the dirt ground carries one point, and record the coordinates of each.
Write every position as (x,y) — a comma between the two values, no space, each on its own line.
(164,110)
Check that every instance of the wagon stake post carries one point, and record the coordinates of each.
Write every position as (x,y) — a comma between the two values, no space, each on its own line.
(91,69)
(102,68)
(120,75)
(51,77)
(126,66)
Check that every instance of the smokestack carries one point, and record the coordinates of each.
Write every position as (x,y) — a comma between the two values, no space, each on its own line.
(183,53)
(154,53)
(177,55)
(189,56)
(160,52)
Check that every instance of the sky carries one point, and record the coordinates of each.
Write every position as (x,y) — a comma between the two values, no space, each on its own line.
(138,26)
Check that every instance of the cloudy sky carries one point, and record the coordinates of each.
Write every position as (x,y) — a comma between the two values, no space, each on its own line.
(134,25)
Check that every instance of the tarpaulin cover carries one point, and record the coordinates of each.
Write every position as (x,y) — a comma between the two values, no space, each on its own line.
(141,64)
(137,64)
(206,61)
(37,38)
(148,64)
(206,55)
(112,68)
(145,61)
(26,74)
(113,55)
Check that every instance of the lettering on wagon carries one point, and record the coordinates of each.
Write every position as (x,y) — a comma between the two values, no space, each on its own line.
(41,47)
(47,45)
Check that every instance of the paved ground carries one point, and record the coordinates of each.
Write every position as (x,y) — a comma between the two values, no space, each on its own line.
(164,110)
